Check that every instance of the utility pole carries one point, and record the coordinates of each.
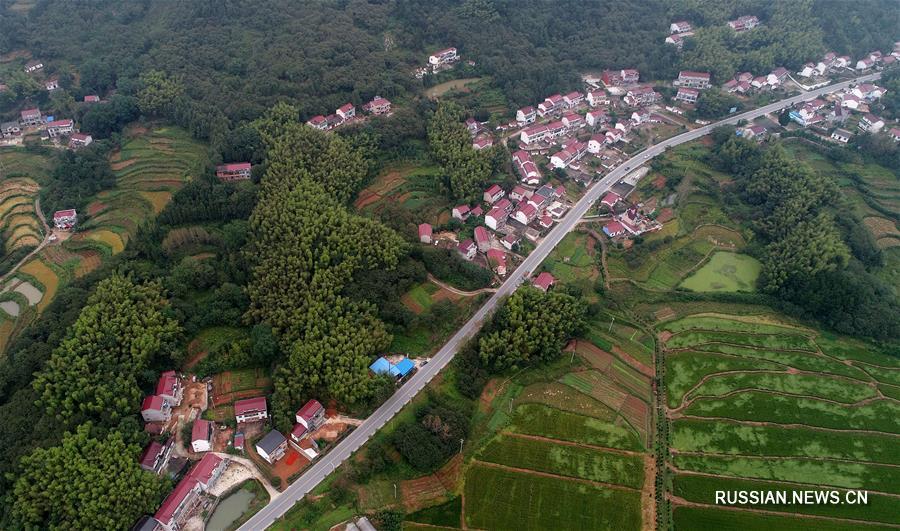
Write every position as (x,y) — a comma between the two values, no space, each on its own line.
(611,323)
(461,443)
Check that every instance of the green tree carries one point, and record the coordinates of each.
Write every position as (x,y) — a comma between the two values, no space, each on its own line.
(159,91)
(87,482)
(467,169)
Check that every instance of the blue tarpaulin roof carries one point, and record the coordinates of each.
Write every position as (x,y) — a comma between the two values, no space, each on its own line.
(381,366)
(404,367)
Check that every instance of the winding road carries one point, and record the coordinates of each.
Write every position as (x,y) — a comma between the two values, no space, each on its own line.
(340,453)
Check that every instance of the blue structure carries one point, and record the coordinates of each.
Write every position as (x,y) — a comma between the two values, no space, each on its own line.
(404,367)
(381,366)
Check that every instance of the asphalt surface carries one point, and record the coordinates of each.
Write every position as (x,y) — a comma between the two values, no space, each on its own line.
(340,453)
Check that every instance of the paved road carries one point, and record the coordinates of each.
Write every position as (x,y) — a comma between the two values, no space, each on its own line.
(340,453)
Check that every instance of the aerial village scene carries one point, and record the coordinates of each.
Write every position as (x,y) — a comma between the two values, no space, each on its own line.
(213,432)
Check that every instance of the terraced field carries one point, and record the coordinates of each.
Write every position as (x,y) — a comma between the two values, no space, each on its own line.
(757,403)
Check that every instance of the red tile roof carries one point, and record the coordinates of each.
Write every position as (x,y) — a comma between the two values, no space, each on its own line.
(425,229)
(345,107)
(465,245)
(148,456)
(200,430)
(234,166)
(493,190)
(152,403)
(610,199)
(482,235)
(64,213)
(250,405)
(202,472)
(298,431)
(544,281)
(60,123)
(690,73)
(91,98)
(167,383)
(309,409)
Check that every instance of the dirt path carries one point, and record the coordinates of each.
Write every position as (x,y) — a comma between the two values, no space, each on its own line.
(46,241)
(648,493)
(541,438)
(459,292)
(251,467)
(555,476)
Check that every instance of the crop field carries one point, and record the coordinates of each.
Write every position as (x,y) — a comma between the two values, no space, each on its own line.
(535,419)
(725,272)
(506,499)
(565,460)
(19,224)
(622,339)
(564,398)
(420,297)
(574,262)
(753,399)
(413,187)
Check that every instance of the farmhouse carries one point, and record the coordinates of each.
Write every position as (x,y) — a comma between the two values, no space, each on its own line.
(51,84)
(616,78)
(571,152)
(65,219)
(169,387)
(425,232)
(518,193)
(10,129)
(309,418)
(868,91)
(556,129)
(526,115)
(596,143)
(525,214)
(482,142)
(687,95)
(493,194)
(682,26)
(250,409)
(497,260)
(753,131)
(543,281)
(482,239)
(895,134)
(377,106)
(528,171)
(613,136)
(495,218)
(443,57)
(80,140)
(155,456)
(641,96)
(509,241)
(549,105)
(92,98)
(808,70)
(573,121)
(235,171)
(472,126)
(60,127)
(777,76)
(640,116)
(346,111)
(33,66)
(156,409)
(597,97)
(865,64)
(744,23)
(610,200)
(850,101)
(272,447)
(201,435)
(460,212)
(573,99)
(534,134)
(613,229)
(841,135)
(181,502)
(687,78)
(467,249)
(871,123)
(318,122)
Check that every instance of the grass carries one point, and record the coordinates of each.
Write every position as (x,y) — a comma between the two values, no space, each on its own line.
(565,460)
(725,272)
(693,435)
(692,518)
(502,499)
(701,489)
(535,419)
(446,514)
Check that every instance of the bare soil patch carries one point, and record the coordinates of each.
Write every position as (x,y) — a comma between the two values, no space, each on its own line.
(121,164)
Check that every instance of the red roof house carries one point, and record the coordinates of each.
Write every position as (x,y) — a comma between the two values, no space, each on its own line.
(482,239)
(92,98)
(493,194)
(250,409)
(543,281)
(65,219)
(497,259)
(311,415)
(236,171)
(425,232)
(201,435)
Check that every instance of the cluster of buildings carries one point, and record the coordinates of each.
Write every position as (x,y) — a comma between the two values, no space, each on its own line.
(187,496)
(346,113)
(631,222)
(235,171)
(438,62)
(744,23)
(169,392)
(829,63)
(65,219)
(57,130)
(401,369)
(679,31)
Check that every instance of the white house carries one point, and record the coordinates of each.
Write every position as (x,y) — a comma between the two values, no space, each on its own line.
(573,121)
(528,170)
(201,435)
(841,135)
(573,99)
(534,134)
(895,134)
(549,105)
(864,64)
(460,212)
(467,249)
(443,57)
(496,218)
(526,115)
(687,95)
(596,143)
(595,118)
(597,97)
(525,214)
(346,111)
(744,23)
(688,78)
(60,127)
(272,447)
(250,409)
(871,123)
(493,194)
(682,26)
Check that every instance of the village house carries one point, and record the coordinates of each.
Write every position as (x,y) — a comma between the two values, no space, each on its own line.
(318,122)
(346,111)
(156,409)
(687,78)
(460,212)
(616,78)
(65,219)
(639,96)
(186,497)
(610,200)
(377,106)
(92,98)
(597,97)
(155,456)
(850,101)
(613,229)
(596,143)
(545,221)
(31,117)
(865,64)
(10,129)
(777,76)
(497,260)
(806,115)
(744,23)
(759,82)
(51,84)
(550,104)
(308,419)
(730,86)
(556,129)
(534,134)
(682,26)
(573,99)
(519,192)
(442,58)
(677,39)
(169,387)
(250,409)
(80,140)
(526,115)
(425,232)
(510,240)
(687,95)
(493,194)
(467,249)
(871,123)
(571,152)
(272,447)
(525,214)
(543,281)
(613,136)
(482,239)
(496,218)
(472,126)
(595,118)
(528,170)
(808,70)
(841,135)
(838,115)
(573,121)
(235,171)
(640,116)
(482,142)
(33,66)
(895,134)
(868,91)
(60,127)
(476,212)
(753,131)
(201,435)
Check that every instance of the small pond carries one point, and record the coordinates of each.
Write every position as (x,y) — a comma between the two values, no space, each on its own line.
(229,510)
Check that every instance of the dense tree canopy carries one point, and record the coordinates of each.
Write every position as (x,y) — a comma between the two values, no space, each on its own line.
(467,169)
(87,482)
(95,371)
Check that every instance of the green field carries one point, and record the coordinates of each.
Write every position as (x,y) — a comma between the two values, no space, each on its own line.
(565,460)
(685,369)
(837,389)
(694,338)
(697,518)
(503,499)
(725,272)
(799,360)
(534,419)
